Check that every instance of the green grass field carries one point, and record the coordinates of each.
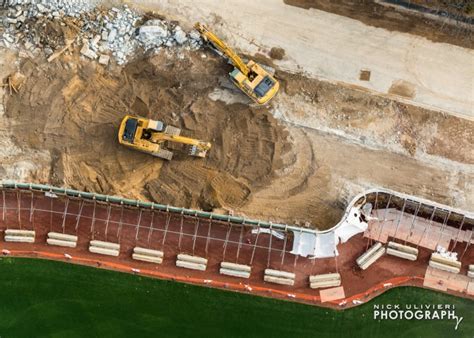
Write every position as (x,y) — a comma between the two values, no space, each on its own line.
(41,298)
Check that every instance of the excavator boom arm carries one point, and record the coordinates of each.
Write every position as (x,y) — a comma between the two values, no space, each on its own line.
(160,137)
(222,47)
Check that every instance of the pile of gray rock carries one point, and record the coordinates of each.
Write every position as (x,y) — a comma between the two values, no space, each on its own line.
(103,33)
(157,33)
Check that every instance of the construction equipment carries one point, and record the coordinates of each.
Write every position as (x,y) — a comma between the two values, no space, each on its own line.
(251,78)
(152,137)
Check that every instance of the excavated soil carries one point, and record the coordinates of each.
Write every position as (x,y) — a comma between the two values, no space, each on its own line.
(376,14)
(72,108)
(375,119)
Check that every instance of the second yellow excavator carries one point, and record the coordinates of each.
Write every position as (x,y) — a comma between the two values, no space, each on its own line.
(251,78)
(152,137)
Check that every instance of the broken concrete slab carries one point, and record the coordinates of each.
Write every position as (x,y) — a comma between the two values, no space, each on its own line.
(104,59)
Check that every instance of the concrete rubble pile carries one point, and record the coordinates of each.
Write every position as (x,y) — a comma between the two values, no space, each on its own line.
(100,33)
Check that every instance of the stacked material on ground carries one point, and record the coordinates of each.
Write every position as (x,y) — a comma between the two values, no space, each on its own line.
(147,255)
(324,281)
(191,262)
(402,251)
(279,277)
(370,256)
(470,271)
(440,262)
(59,239)
(104,248)
(97,30)
(22,236)
(235,270)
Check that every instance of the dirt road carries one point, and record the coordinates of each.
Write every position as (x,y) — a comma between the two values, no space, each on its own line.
(321,44)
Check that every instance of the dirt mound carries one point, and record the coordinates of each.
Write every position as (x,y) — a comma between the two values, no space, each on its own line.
(277,53)
(73,108)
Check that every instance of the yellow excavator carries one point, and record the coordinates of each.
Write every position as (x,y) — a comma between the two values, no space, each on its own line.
(152,137)
(251,78)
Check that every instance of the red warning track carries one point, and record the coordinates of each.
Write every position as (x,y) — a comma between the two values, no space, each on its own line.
(216,240)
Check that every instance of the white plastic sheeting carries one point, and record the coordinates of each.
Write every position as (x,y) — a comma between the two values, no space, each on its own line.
(324,244)
(275,233)
(352,225)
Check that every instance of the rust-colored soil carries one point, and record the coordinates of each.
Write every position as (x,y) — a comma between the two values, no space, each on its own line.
(176,237)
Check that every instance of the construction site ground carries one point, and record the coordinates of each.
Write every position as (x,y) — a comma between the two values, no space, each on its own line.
(409,67)
(296,161)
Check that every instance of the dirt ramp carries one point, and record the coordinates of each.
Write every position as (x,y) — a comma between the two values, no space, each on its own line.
(73,108)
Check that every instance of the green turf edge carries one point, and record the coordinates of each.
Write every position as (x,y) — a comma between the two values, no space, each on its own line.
(41,298)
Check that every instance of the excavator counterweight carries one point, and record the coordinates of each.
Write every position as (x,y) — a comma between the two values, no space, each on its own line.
(152,137)
(250,77)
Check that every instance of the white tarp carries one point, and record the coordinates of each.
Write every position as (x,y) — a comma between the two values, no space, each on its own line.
(323,245)
(277,234)
(352,225)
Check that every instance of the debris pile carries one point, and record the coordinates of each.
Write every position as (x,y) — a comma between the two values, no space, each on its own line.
(51,27)
(156,33)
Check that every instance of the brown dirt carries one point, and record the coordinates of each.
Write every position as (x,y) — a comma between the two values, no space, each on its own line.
(254,167)
(382,120)
(377,15)
(79,129)
(277,53)
(402,88)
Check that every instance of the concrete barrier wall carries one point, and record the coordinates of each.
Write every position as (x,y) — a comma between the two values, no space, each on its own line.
(63,237)
(20,239)
(368,253)
(148,252)
(401,254)
(234,273)
(278,273)
(106,245)
(191,265)
(18,232)
(279,280)
(233,266)
(403,248)
(192,259)
(446,261)
(372,259)
(444,267)
(325,284)
(104,251)
(235,270)
(324,277)
(59,242)
(279,277)
(147,258)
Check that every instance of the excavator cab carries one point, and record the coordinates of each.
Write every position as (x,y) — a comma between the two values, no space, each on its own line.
(152,137)
(250,77)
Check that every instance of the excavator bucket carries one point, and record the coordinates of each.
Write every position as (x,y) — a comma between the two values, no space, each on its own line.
(196,151)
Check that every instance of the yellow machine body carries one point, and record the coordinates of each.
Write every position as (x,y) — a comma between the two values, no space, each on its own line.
(250,77)
(152,137)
